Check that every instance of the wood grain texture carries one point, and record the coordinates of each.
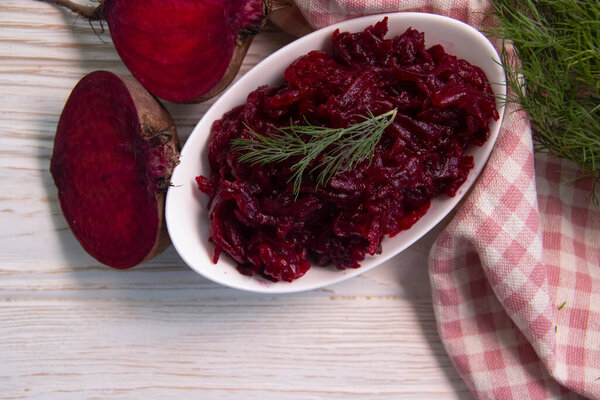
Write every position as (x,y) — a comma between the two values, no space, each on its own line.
(73,329)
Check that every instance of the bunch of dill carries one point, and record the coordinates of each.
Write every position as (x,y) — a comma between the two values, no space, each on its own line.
(555,73)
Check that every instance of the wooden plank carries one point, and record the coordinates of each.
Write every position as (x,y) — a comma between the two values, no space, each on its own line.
(291,347)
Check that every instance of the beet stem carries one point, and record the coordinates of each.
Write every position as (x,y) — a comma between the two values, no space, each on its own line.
(93,13)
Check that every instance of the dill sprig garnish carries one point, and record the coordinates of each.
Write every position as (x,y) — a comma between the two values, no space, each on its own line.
(555,74)
(338,149)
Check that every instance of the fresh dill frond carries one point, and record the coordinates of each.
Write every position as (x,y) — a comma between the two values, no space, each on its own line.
(338,149)
(555,74)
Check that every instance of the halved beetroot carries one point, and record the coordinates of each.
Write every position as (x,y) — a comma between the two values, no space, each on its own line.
(180,50)
(114,151)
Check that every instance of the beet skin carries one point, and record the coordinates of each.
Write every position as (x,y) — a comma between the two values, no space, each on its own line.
(114,151)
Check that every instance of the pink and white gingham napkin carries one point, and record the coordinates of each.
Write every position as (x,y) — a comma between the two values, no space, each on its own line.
(516,274)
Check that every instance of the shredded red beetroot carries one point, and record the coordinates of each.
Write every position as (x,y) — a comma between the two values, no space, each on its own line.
(443,104)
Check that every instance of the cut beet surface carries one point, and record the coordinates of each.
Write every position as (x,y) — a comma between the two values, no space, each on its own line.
(180,50)
(114,151)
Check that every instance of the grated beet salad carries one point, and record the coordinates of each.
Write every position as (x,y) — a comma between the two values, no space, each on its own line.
(443,105)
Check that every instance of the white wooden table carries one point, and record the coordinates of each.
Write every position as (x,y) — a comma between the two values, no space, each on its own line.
(73,329)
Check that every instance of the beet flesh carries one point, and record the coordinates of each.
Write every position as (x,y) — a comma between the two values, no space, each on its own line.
(114,152)
(182,50)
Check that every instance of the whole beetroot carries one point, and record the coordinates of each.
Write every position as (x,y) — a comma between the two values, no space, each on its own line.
(180,50)
(114,151)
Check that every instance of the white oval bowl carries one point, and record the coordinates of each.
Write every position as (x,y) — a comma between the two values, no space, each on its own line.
(186,213)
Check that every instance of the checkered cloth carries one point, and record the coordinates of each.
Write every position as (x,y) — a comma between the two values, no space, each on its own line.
(516,273)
